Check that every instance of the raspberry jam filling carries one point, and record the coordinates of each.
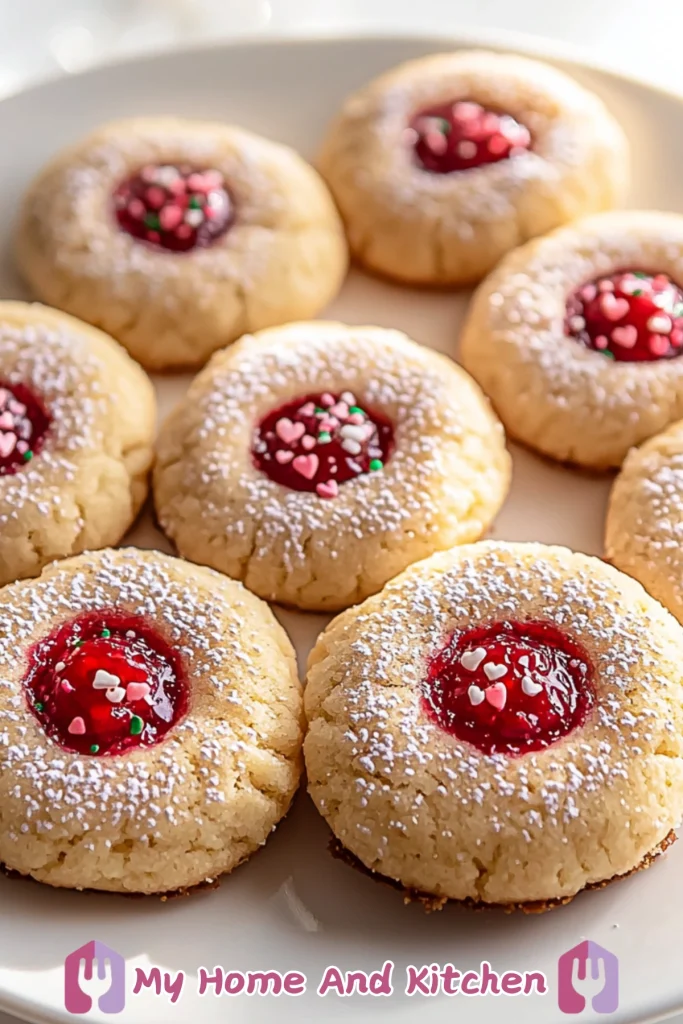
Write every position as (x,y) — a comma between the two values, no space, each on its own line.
(462,135)
(24,422)
(320,441)
(174,208)
(105,683)
(509,688)
(629,316)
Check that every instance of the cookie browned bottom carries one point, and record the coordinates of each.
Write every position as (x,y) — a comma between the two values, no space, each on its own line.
(431,902)
(192,890)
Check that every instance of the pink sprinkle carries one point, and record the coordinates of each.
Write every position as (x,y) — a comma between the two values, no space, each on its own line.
(327,399)
(136,208)
(308,442)
(197,183)
(176,187)
(677,337)
(22,447)
(496,695)
(289,432)
(328,424)
(658,344)
(356,417)
(341,410)
(4,395)
(308,409)
(437,142)
(8,443)
(67,687)
(7,421)
(155,196)
(77,727)
(137,691)
(283,456)
(170,217)
(464,111)
(330,489)
(306,465)
(605,286)
(588,292)
(17,408)
(153,236)
(601,341)
(184,231)
(497,144)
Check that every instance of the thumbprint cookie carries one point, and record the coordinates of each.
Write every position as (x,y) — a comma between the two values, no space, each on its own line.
(177,236)
(314,461)
(577,337)
(77,425)
(644,532)
(442,165)
(150,724)
(502,725)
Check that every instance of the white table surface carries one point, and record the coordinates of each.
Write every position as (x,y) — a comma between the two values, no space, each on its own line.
(39,38)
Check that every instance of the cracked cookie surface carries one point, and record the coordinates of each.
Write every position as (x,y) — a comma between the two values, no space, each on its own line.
(443,815)
(169,282)
(207,794)
(428,471)
(92,411)
(442,165)
(576,337)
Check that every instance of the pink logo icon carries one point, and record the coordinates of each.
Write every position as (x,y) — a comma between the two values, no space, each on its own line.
(588,974)
(94,975)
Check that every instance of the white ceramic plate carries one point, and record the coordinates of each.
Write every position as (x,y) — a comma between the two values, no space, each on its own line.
(292,906)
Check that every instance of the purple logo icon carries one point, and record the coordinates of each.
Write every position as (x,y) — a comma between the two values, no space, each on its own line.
(94,975)
(588,974)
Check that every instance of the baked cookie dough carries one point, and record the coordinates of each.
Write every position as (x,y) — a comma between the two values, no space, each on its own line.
(314,461)
(150,724)
(176,237)
(503,724)
(77,425)
(644,532)
(577,337)
(442,165)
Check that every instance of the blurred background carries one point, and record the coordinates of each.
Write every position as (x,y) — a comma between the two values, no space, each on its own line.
(39,38)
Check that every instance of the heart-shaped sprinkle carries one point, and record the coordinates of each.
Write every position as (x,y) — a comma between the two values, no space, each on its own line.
(340,410)
(326,400)
(283,456)
(613,308)
(105,680)
(471,660)
(307,465)
(308,442)
(8,443)
(658,344)
(659,323)
(116,694)
(137,691)
(530,687)
(308,409)
(492,671)
(288,431)
(77,727)
(476,694)
(524,661)
(6,421)
(329,489)
(625,336)
(496,695)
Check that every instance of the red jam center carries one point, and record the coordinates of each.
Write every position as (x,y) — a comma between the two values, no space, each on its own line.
(105,683)
(629,316)
(509,688)
(458,136)
(24,422)
(174,208)
(320,441)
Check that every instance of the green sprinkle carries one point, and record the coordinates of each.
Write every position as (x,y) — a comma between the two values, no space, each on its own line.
(194,203)
(376,464)
(94,748)
(324,437)
(637,291)
(640,274)
(355,408)
(319,411)
(38,706)
(79,643)
(152,221)
(106,633)
(136,725)
(444,126)
(28,455)
(607,354)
